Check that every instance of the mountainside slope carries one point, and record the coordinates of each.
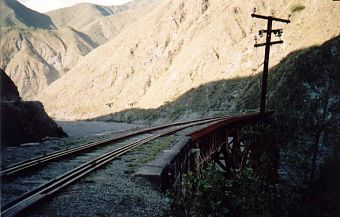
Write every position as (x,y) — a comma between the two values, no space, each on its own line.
(14,13)
(180,45)
(105,28)
(80,15)
(35,58)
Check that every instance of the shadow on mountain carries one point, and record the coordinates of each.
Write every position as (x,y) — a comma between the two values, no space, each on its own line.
(103,10)
(303,90)
(15,13)
(85,37)
(215,98)
(304,93)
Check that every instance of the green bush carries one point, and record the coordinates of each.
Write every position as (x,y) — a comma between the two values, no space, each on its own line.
(297,8)
(244,194)
(212,193)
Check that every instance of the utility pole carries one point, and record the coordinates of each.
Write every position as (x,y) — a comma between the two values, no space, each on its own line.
(268,43)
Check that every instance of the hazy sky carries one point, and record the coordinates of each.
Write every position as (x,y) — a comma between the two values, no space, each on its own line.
(48,5)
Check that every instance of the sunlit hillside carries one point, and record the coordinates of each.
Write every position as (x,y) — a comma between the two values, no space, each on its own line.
(180,45)
(37,49)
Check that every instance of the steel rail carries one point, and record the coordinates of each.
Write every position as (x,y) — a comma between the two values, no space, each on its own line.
(45,190)
(21,166)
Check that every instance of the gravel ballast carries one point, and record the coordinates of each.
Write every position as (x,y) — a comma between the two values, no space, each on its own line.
(106,192)
(109,191)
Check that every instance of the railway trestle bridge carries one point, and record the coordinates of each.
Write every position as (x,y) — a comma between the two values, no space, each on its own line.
(232,144)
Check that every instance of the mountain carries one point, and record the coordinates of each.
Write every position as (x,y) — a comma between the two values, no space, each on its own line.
(105,28)
(80,15)
(100,23)
(14,13)
(35,58)
(22,121)
(180,45)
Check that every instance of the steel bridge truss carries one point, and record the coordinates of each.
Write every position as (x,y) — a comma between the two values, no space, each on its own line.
(234,145)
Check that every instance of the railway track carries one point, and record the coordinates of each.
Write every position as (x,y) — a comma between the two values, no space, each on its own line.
(42,160)
(51,187)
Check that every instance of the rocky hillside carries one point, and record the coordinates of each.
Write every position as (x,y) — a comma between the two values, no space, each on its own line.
(105,28)
(21,121)
(34,56)
(14,13)
(100,23)
(80,15)
(180,45)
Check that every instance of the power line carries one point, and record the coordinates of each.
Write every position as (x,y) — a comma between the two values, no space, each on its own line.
(267,44)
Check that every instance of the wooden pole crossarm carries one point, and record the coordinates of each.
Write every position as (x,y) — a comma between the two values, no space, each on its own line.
(270,18)
(270,43)
(267,44)
(272,31)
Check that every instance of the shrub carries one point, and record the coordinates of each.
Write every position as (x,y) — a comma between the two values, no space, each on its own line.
(297,8)
(244,194)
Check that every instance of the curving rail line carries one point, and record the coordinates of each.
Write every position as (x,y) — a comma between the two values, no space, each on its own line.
(46,190)
(38,161)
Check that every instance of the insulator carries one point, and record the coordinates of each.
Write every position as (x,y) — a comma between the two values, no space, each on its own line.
(261,33)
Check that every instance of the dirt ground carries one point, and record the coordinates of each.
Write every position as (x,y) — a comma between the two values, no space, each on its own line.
(86,128)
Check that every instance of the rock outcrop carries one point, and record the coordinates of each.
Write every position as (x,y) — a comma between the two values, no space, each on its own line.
(23,122)
(8,90)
